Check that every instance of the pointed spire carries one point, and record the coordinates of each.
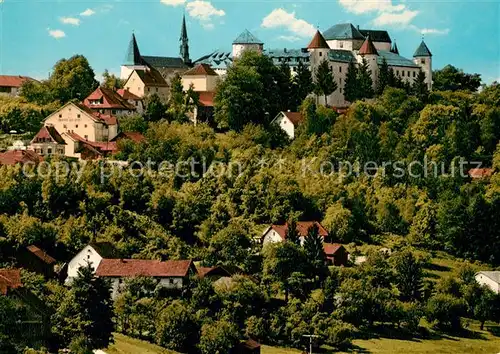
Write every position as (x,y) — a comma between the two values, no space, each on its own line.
(133,54)
(318,42)
(394,48)
(184,51)
(368,48)
(422,51)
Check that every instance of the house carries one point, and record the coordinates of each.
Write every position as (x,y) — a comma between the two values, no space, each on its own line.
(202,78)
(74,129)
(36,260)
(277,233)
(14,157)
(480,173)
(93,253)
(289,122)
(169,274)
(248,346)
(33,326)
(204,111)
(489,278)
(109,102)
(11,85)
(336,254)
(213,273)
(132,99)
(143,83)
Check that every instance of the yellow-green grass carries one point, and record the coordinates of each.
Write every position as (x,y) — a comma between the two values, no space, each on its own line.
(127,345)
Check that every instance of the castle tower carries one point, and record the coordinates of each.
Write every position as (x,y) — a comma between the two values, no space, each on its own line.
(184,51)
(370,53)
(133,59)
(318,49)
(423,58)
(246,41)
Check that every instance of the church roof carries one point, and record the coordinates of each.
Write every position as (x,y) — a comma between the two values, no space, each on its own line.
(422,51)
(394,59)
(247,38)
(164,62)
(367,48)
(342,31)
(133,54)
(376,35)
(340,55)
(318,41)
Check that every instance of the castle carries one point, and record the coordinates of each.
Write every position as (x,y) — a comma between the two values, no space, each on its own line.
(341,44)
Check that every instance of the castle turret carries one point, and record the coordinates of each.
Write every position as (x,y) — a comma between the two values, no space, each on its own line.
(370,53)
(184,52)
(423,58)
(318,49)
(246,41)
(133,59)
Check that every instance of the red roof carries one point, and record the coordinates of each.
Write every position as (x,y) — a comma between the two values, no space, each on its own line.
(295,117)
(141,267)
(99,145)
(302,228)
(207,98)
(48,132)
(9,279)
(208,271)
(13,157)
(41,254)
(480,172)
(127,95)
(110,100)
(201,69)
(318,42)
(102,118)
(368,47)
(134,136)
(13,81)
(331,248)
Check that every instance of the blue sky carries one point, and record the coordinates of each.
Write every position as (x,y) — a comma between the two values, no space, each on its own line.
(35,34)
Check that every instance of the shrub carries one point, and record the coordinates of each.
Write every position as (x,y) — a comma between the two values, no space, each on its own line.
(444,311)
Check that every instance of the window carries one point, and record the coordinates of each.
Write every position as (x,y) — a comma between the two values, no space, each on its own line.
(78,116)
(402,73)
(64,126)
(422,61)
(397,72)
(60,115)
(49,151)
(171,281)
(113,111)
(76,126)
(340,81)
(86,137)
(340,90)
(331,68)
(408,74)
(148,89)
(85,126)
(340,69)
(341,44)
(414,74)
(320,54)
(157,89)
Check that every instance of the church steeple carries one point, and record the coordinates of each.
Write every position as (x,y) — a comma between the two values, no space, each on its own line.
(184,52)
(133,54)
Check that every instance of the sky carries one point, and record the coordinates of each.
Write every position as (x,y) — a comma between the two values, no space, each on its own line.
(35,34)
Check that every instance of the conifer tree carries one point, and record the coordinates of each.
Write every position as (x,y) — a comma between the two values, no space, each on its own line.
(314,251)
(324,84)
(392,80)
(409,276)
(365,83)
(383,78)
(292,235)
(284,81)
(351,83)
(302,85)
(419,87)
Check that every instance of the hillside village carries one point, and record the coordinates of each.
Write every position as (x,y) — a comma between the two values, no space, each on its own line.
(293,251)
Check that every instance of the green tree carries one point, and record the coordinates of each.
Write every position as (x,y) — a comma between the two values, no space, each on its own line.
(176,328)
(37,91)
(487,306)
(315,252)
(351,91)
(292,234)
(155,108)
(302,84)
(111,81)
(383,77)
(324,81)
(181,103)
(451,78)
(444,311)
(72,78)
(86,311)
(408,275)
(419,87)
(364,81)
(284,81)
(218,337)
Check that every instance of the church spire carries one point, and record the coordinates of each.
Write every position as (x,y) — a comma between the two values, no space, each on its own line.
(133,54)
(184,52)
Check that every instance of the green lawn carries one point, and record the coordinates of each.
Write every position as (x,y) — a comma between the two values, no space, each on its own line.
(127,345)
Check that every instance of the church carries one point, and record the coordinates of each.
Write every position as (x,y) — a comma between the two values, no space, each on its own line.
(340,45)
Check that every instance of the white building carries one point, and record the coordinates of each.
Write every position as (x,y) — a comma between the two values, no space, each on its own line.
(169,274)
(91,254)
(489,278)
(289,122)
(277,233)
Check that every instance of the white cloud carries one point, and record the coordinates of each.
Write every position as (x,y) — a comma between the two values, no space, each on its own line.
(403,18)
(203,10)
(289,38)
(173,2)
(70,21)
(57,34)
(364,6)
(280,18)
(208,25)
(88,12)
(434,31)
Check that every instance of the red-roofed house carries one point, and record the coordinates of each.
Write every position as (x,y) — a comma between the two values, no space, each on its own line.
(11,85)
(143,83)
(14,157)
(289,121)
(336,254)
(132,99)
(73,127)
(277,233)
(202,77)
(36,260)
(169,274)
(109,102)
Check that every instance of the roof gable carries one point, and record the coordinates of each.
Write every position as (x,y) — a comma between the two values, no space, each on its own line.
(342,31)
(110,100)
(150,77)
(376,35)
(142,267)
(302,229)
(13,81)
(247,38)
(493,275)
(422,51)
(201,69)
(41,254)
(367,48)
(318,42)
